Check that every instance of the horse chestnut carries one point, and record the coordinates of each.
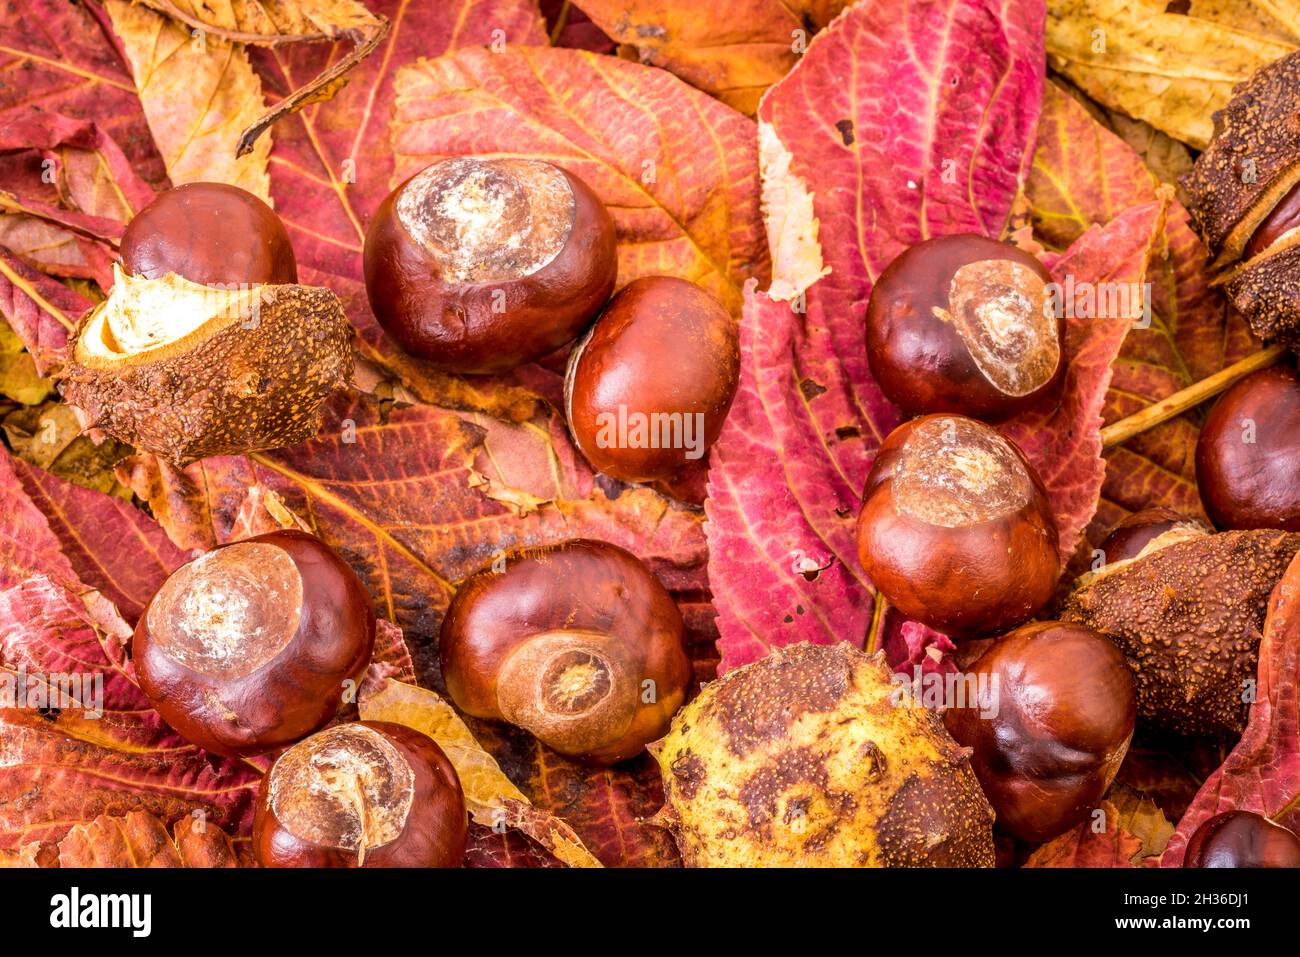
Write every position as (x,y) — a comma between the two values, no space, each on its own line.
(369,794)
(1248,453)
(209,233)
(1051,728)
(955,528)
(1159,524)
(247,648)
(480,265)
(1242,839)
(639,411)
(964,323)
(577,643)
(1283,218)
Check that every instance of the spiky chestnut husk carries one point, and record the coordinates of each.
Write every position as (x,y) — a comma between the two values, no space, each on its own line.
(1189,618)
(811,757)
(1241,188)
(1252,161)
(250,370)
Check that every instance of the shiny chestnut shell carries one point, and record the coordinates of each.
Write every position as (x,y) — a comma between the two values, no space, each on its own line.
(480,265)
(964,323)
(366,794)
(1248,453)
(578,643)
(1242,839)
(248,647)
(1050,738)
(955,528)
(209,233)
(649,387)
(1127,539)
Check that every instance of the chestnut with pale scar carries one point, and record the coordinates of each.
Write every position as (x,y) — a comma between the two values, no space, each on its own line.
(251,646)
(577,643)
(964,323)
(481,264)
(367,794)
(955,527)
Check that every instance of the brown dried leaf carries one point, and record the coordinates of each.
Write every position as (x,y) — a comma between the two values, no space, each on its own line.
(198,93)
(492,798)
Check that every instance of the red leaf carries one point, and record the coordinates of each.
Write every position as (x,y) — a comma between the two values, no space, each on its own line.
(1064,443)
(399,500)
(69,65)
(872,151)
(40,310)
(1262,773)
(54,527)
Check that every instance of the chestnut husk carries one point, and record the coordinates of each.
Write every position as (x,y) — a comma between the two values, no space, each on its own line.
(1243,182)
(1189,619)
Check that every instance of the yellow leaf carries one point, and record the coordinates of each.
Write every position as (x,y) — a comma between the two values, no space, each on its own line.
(199,92)
(493,800)
(18,376)
(1170,70)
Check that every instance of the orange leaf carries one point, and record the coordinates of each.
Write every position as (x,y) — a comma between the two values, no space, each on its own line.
(733,51)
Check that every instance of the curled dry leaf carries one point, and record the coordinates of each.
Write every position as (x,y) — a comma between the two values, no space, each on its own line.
(310,21)
(492,799)
(733,51)
(1262,773)
(1127,830)
(1169,69)
(197,91)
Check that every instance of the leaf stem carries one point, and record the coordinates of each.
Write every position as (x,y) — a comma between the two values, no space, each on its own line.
(1171,406)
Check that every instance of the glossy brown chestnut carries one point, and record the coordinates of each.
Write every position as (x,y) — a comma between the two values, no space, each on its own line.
(367,794)
(1242,839)
(1248,453)
(1136,532)
(479,265)
(648,389)
(1284,218)
(1053,729)
(955,528)
(577,643)
(966,324)
(251,646)
(209,233)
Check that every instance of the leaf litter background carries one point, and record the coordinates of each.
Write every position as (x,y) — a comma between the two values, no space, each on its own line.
(780,158)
